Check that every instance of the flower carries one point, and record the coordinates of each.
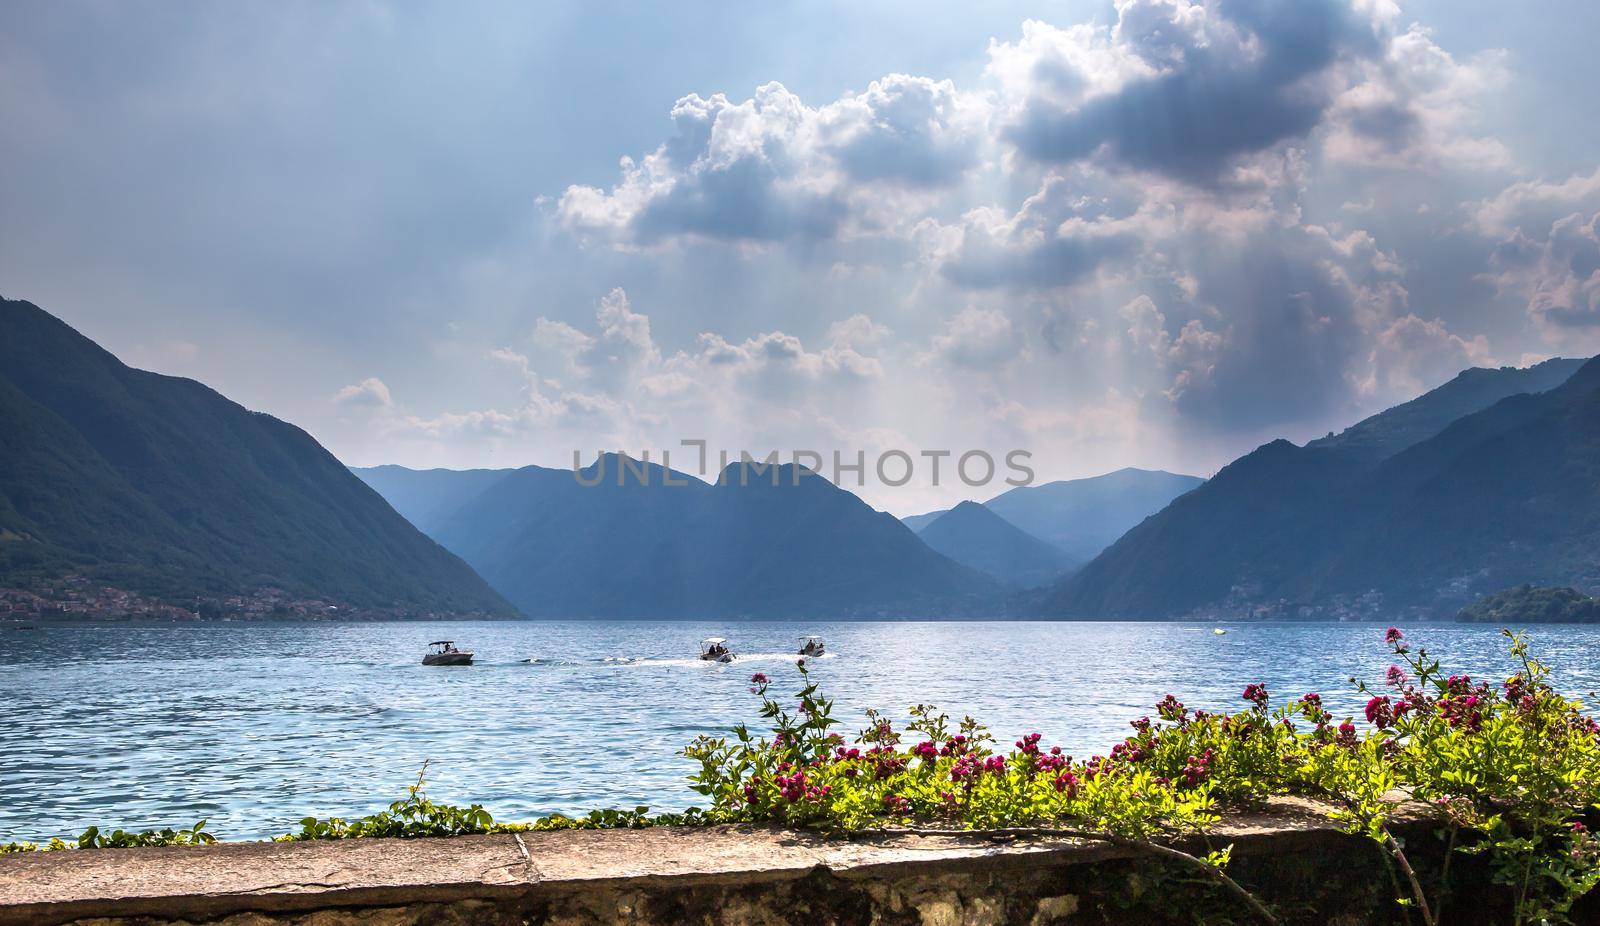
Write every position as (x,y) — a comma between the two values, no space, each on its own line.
(1197,768)
(760,678)
(1393,635)
(1256,694)
(1380,712)
(1397,677)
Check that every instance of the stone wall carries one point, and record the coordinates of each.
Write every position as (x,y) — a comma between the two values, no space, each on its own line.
(723,875)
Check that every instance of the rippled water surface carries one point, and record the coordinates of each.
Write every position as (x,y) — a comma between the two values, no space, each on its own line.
(257,725)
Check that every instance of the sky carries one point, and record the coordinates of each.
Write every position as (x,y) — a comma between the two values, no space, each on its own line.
(1153,233)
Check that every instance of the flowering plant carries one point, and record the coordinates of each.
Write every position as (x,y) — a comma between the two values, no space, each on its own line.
(1512,769)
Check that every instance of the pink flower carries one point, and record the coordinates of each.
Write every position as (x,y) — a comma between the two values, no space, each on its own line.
(1380,712)
(1393,635)
(1256,694)
(760,678)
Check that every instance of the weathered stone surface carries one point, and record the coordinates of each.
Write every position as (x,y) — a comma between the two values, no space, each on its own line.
(714,875)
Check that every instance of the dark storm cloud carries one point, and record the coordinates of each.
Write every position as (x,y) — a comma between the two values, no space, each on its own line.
(1245,84)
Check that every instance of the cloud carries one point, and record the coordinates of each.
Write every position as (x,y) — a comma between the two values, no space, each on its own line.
(1056,238)
(619,383)
(370,393)
(771,168)
(1186,90)
(1416,106)
(1413,355)
(978,339)
(1200,91)
(1535,203)
(1557,274)
(1546,254)
(903,130)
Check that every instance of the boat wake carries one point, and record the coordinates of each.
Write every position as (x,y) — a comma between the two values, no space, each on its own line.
(617,662)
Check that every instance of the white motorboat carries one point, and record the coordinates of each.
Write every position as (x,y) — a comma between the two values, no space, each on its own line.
(812,646)
(715,649)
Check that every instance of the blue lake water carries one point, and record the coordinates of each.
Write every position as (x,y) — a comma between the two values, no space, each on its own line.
(255,726)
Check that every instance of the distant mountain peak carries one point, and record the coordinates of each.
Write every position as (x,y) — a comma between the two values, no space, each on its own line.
(973,535)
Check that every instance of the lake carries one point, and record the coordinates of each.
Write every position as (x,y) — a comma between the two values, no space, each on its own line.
(254,726)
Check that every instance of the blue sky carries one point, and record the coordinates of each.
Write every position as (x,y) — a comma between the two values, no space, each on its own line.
(1151,233)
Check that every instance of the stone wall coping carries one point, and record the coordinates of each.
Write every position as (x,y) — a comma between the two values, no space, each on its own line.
(203,882)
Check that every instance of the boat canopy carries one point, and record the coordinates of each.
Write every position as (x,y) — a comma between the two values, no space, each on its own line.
(441,642)
(714,640)
(811,636)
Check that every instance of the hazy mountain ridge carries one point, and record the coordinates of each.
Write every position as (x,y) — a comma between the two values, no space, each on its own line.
(160,486)
(742,546)
(1084,516)
(975,536)
(1411,510)
(1081,517)
(425,497)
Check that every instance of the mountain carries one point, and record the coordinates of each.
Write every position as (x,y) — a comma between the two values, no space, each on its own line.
(1084,516)
(426,497)
(1474,486)
(1081,517)
(974,536)
(160,488)
(918,521)
(760,542)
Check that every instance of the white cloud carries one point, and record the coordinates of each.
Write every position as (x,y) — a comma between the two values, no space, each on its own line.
(370,393)
(978,339)
(771,168)
(1547,254)
(1416,106)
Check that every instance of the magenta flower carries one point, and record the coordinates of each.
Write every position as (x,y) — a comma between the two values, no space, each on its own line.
(760,678)
(1380,712)
(1393,635)
(1256,694)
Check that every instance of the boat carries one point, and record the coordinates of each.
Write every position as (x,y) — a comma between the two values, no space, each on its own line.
(715,649)
(811,646)
(444,653)
(1218,631)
